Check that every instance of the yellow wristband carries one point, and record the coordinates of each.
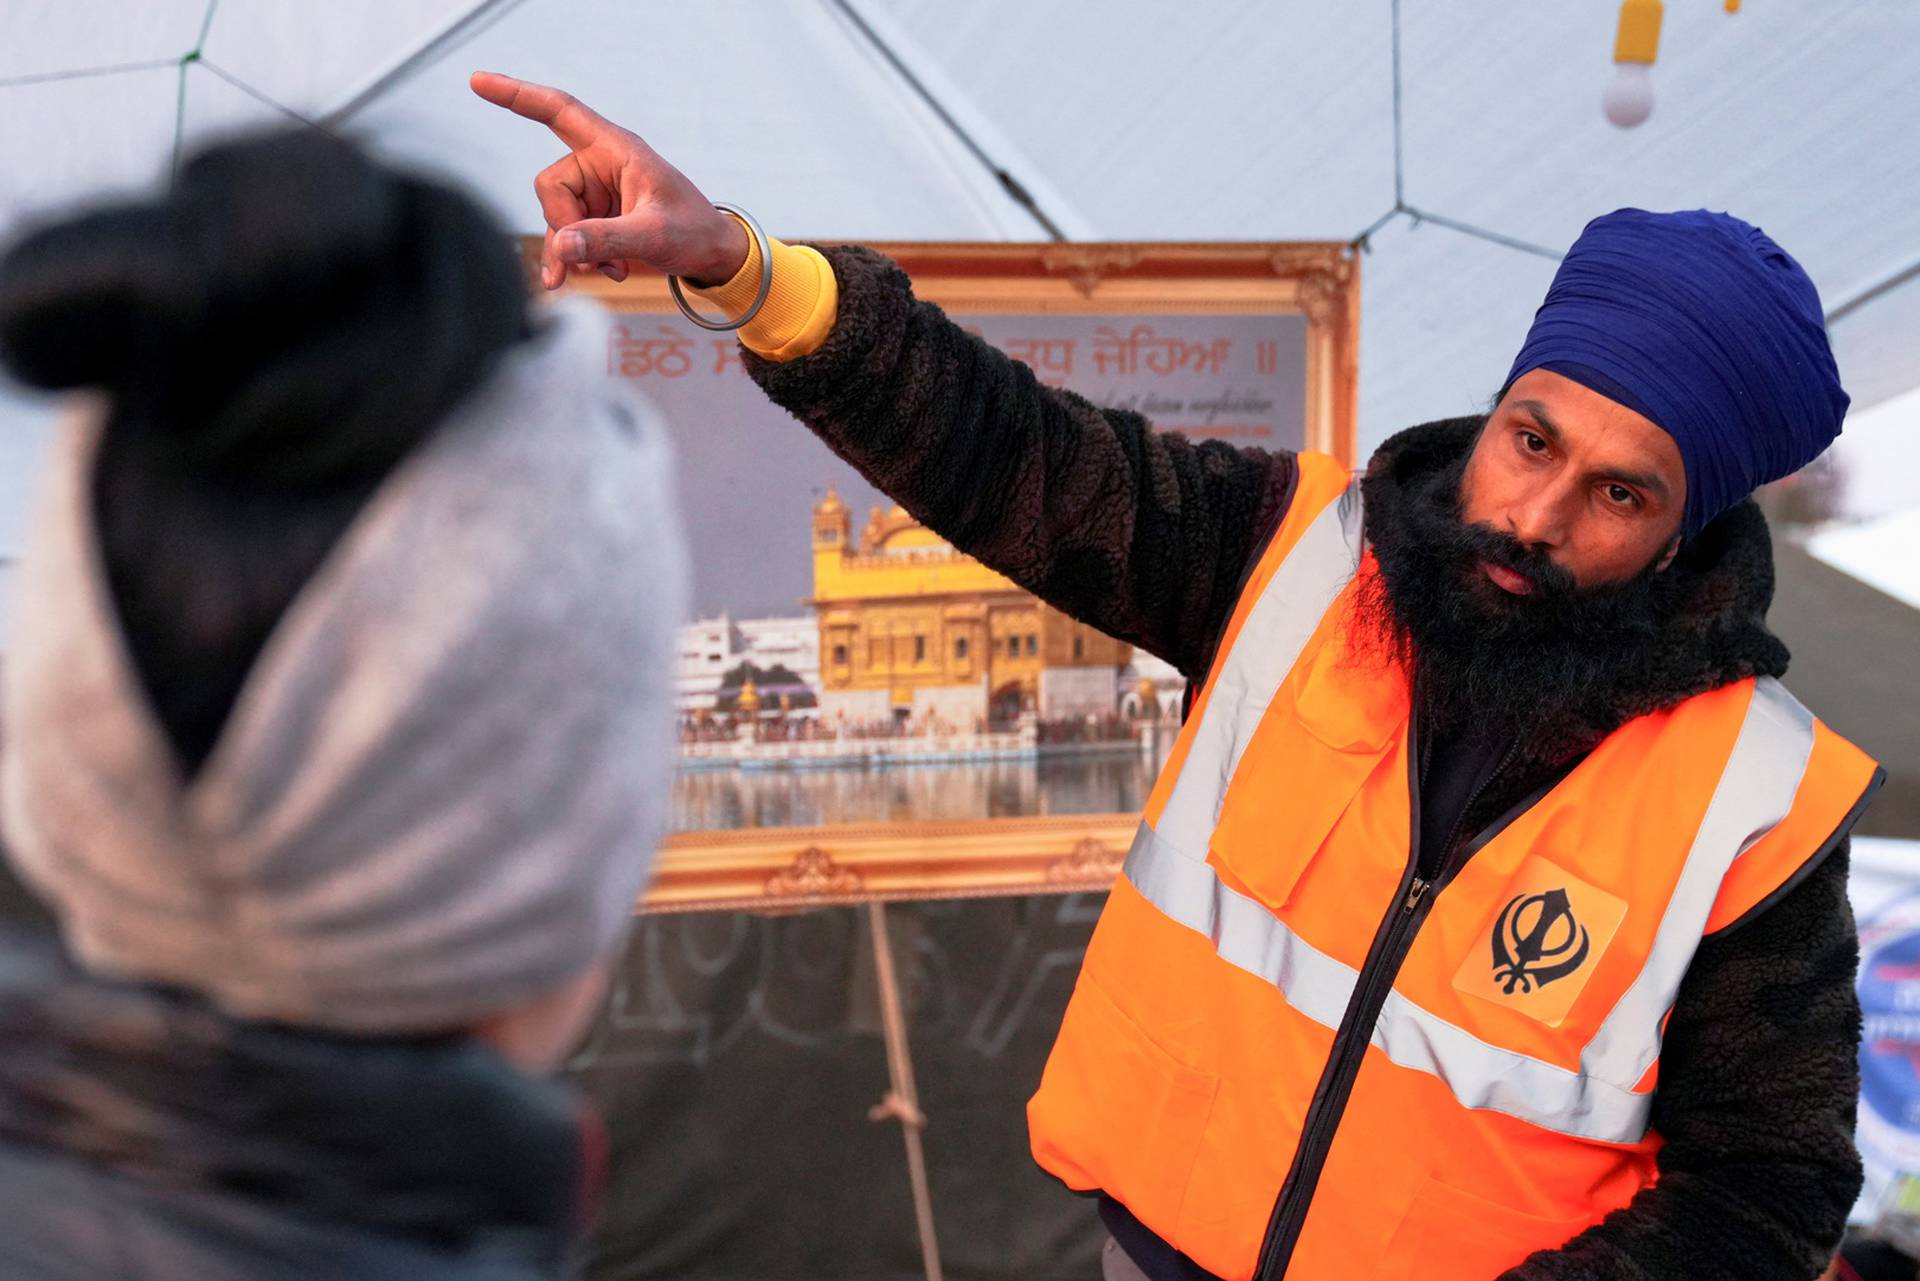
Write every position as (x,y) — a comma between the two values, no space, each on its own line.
(800,309)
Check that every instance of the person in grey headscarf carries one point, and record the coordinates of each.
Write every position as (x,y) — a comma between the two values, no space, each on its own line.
(337,732)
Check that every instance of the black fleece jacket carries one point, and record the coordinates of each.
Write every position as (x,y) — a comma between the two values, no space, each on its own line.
(1148,536)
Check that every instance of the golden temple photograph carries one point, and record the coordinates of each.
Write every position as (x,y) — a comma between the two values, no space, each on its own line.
(913,652)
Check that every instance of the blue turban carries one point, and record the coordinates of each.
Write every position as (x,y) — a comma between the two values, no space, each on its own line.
(1702,324)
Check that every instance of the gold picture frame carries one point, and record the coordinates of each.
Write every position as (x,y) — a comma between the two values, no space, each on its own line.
(778,869)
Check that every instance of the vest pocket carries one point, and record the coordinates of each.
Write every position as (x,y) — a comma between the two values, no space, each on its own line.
(1291,791)
(1117,1112)
(1327,731)
(1450,1233)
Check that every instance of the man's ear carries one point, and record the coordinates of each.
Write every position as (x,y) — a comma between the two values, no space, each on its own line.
(1666,557)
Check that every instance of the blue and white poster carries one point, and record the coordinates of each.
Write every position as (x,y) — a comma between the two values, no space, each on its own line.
(1887,901)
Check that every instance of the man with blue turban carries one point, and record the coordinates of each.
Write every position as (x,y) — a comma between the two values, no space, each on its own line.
(1700,324)
(1489,918)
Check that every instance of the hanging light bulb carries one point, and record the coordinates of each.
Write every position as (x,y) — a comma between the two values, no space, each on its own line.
(1628,99)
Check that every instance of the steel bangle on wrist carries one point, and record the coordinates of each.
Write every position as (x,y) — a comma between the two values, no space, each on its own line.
(759,297)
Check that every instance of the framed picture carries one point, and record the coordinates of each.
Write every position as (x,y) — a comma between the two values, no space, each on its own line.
(869,715)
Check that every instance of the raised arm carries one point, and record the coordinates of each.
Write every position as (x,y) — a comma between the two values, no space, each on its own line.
(1144,535)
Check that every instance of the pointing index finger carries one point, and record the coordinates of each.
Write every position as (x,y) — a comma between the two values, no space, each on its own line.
(577,124)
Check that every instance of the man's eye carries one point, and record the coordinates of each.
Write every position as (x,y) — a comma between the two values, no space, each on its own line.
(1534,442)
(1623,496)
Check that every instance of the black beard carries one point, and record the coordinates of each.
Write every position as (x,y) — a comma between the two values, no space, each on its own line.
(1542,671)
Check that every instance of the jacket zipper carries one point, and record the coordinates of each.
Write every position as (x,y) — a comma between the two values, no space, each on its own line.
(1349,1042)
(1473,798)
(1391,943)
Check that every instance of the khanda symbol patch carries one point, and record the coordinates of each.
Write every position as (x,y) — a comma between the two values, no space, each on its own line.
(1537,941)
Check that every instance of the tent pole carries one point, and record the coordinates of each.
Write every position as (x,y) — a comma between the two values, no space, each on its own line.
(440,40)
(1879,288)
(1014,189)
(902,1102)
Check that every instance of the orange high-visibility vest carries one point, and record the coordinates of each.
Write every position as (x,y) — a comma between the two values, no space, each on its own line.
(1287,1055)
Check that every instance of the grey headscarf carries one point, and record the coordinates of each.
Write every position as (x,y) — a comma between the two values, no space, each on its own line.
(441,787)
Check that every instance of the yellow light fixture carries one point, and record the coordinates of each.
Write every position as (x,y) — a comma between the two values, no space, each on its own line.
(1628,99)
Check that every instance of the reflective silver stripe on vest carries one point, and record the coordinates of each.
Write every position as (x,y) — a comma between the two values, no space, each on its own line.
(1755,792)
(1248,936)
(1168,867)
(1276,630)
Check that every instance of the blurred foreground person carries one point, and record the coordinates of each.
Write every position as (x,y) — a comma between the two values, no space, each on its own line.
(337,734)
(1489,917)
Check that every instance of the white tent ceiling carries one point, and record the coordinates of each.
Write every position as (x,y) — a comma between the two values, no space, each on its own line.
(1214,119)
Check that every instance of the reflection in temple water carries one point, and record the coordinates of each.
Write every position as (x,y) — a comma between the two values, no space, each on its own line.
(900,794)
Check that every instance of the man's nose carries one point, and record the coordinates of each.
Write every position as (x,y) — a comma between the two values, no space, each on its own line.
(1540,519)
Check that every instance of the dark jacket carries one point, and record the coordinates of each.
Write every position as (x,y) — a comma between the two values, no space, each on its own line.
(1149,537)
(145,1137)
